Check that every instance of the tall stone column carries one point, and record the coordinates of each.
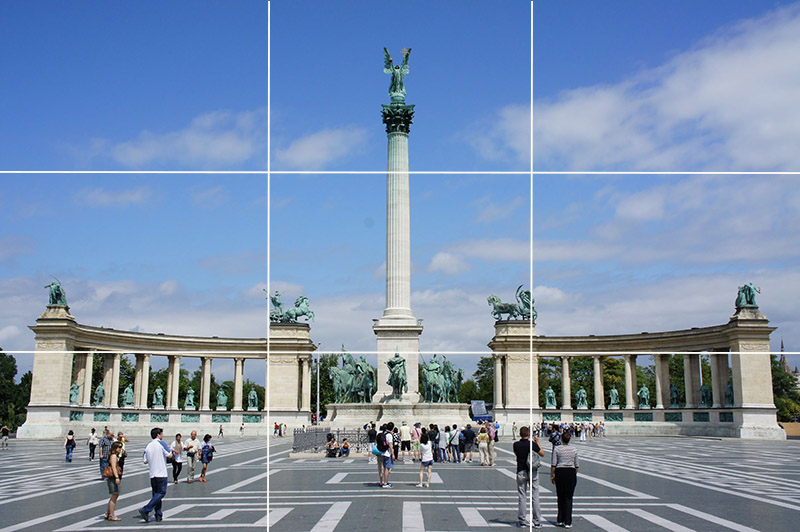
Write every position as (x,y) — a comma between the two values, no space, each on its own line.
(717,384)
(658,359)
(306,393)
(238,381)
(108,377)
(398,330)
(498,381)
(566,392)
(599,393)
(630,381)
(205,386)
(144,389)
(176,382)
(689,379)
(535,382)
(116,359)
(87,376)
(170,380)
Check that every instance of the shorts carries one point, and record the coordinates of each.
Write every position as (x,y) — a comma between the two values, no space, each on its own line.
(469,447)
(427,463)
(405,445)
(388,462)
(5,439)
(113,487)
(415,445)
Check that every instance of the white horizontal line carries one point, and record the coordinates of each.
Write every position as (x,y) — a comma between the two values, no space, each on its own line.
(383,172)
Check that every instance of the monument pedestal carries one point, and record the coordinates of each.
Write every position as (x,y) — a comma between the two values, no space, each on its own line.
(398,335)
(354,415)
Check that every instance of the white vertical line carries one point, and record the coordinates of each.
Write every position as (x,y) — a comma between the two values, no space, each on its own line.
(660,521)
(530,282)
(269,233)
(603,523)
(412,517)
(331,517)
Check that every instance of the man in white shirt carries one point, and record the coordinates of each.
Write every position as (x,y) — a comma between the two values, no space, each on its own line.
(388,455)
(155,456)
(192,447)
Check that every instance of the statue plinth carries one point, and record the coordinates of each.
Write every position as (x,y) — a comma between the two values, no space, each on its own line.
(550,407)
(222,409)
(252,409)
(644,407)
(192,408)
(748,312)
(581,408)
(159,407)
(613,407)
(56,312)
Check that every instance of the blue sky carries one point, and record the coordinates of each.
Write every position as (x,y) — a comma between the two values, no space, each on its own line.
(617,86)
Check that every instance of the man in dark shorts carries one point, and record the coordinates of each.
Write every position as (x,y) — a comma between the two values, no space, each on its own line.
(469,442)
(4,436)
(371,435)
(528,454)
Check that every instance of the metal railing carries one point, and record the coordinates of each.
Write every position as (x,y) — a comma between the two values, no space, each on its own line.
(314,439)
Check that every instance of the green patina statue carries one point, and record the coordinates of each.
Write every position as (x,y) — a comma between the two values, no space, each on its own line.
(252,400)
(222,399)
(644,397)
(613,396)
(127,396)
(355,382)
(729,394)
(580,398)
(705,396)
(522,309)
(158,397)
(188,403)
(746,298)
(74,393)
(289,315)
(674,396)
(397,87)
(397,376)
(99,395)
(550,398)
(440,381)
(57,295)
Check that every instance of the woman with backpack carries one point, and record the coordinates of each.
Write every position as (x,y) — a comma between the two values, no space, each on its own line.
(455,455)
(206,455)
(69,445)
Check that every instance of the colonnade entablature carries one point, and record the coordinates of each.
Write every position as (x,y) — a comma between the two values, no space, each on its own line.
(739,393)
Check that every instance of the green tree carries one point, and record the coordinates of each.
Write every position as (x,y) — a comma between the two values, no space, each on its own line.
(325,383)
(484,379)
(785,394)
(581,371)
(549,376)
(469,391)
(12,405)
(646,375)
(676,375)
(614,377)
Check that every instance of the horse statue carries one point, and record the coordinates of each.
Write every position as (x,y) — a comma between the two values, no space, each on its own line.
(300,308)
(499,308)
(342,381)
(525,301)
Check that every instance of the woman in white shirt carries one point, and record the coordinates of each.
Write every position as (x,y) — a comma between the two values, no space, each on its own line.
(426,449)
(177,457)
(443,437)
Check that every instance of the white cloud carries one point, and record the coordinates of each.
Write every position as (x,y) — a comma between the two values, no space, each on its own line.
(448,263)
(251,261)
(8,332)
(489,211)
(101,197)
(212,140)
(169,287)
(209,198)
(731,102)
(316,150)
(506,136)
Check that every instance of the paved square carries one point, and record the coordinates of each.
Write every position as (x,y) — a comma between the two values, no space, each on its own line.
(639,484)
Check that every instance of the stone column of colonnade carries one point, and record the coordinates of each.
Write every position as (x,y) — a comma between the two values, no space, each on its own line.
(306,385)
(661,362)
(205,384)
(141,386)
(498,382)
(719,378)
(691,379)
(630,381)
(566,391)
(111,364)
(238,383)
(599,393)
(173,381)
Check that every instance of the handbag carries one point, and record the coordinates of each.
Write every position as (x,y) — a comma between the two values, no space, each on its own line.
(108,471)
(376,451)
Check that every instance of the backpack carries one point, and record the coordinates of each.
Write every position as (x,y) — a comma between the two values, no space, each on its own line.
(380,442)
(534,460)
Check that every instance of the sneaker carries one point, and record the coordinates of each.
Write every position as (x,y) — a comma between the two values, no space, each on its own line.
(567,526)
(418,486)
(559,524)
(384,486)
(537,525)
(144,516)
(389,485)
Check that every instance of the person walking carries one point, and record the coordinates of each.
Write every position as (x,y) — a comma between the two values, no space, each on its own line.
(221,435)
(241,430)
(155,456)
(113,480)
(405,441)
(206,455)
(426,459)
(491,430)
(452,444)
(469,442)
(380,447)
(4,431)
(416,432)
(389,454)
(483,446)
(177,457)
(192,448)
(69,445)
(123,454)
(528,455)
(91,441)
(105,447)
(564,474)
(371,435)
(514,430)
(443,438)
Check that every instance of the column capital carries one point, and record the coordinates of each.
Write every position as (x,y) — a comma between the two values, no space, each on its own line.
(397,117)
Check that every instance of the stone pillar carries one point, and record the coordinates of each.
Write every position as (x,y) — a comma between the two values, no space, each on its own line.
(599,393)
(205,386)
(144,389)
(498,381)
(658,359)
(306,385)
(718,382)
(108,377)
(176,382)
(535,382)
(689,383)
(87,379)
(170,380)
(694,369)
(630,381)
(238,381)
(566,392)
(114,391)
(137,380)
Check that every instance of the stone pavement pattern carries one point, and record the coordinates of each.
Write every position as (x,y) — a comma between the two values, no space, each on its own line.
(40,492)
(639,484)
